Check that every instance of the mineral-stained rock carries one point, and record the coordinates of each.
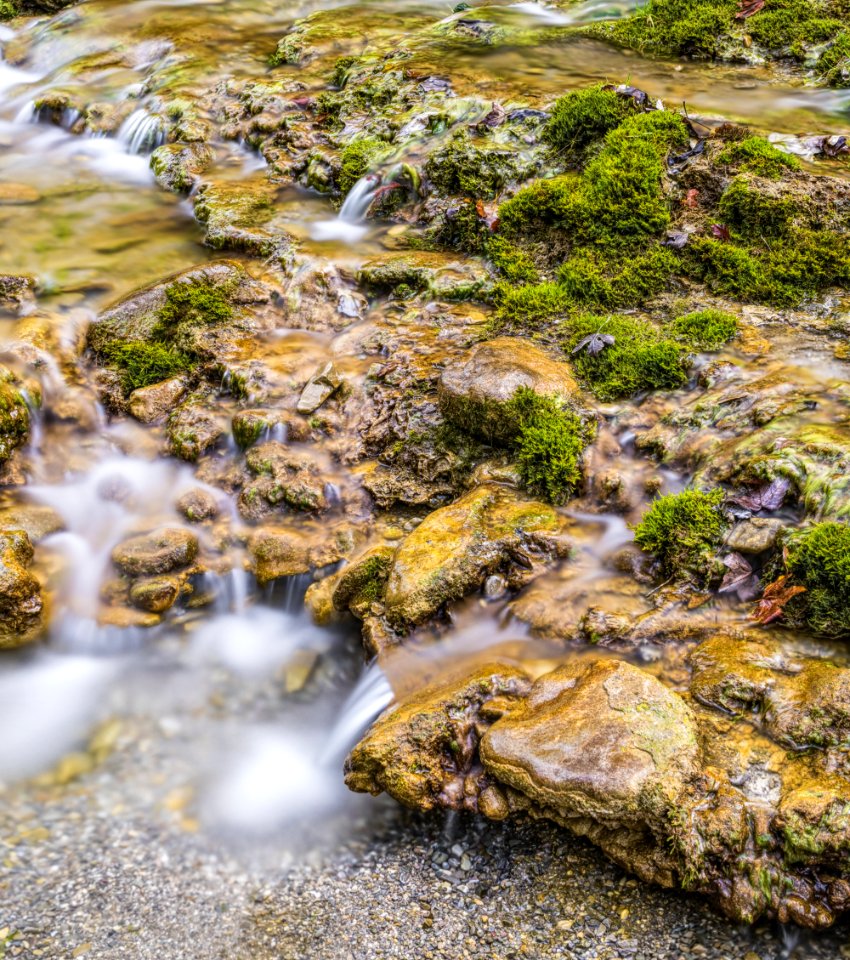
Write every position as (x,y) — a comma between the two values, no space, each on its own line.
(424,751)
(802,701)
(16,290)
(14,415)
(452,552)
(283,477)
(475,389)
(192,430)
(755,535)
(278,552)
(198,505)
(178,166)
(149,404)
(156,553)
(361,583)
(155,594)
(20,592)
(599,739)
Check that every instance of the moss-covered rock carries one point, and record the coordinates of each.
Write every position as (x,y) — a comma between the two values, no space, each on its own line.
(476,389)
(21,604)
(453,551)
(156,553)
(283,477)
(362,582)
(818,558)
(14,415)
(178,166)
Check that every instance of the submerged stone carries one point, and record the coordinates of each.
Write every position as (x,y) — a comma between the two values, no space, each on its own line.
(156,553)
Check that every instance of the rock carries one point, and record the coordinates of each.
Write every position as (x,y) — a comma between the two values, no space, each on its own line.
(278,552)
(37,522)
(198,505)
(362,582)
(239,216)
(755,535)
(284,477)
(473,391)
(423,751)
(16,291)
(442,275)
(156,553)
(14,416)
(177,166)
(149,404)
(452,552)
(320,388)
(252,426)
(21,606)
(599,739)
(192,430)
(18,194)
(156,594)
(299,669)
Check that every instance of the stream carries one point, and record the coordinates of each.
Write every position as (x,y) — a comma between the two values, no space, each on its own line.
(225,721)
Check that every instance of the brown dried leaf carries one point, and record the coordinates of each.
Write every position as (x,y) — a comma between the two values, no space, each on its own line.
(774,599)
(746,8)
(721,231)
(692,199)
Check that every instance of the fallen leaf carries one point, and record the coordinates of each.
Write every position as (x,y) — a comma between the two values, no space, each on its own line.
(774,599)
(770,497)
(495,117)
(675,239)
(746,8)
(595,343)
(692,199)
(480,209)
(738,570)
(721,231)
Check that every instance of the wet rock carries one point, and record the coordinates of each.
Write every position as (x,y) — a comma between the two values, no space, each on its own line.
(198,505)
(16,291)
(284,477)
(12,194)
(14,415)
(21,605)
(156,594)
(442,275)
(362,582)
(279,552)
(37,522)
(599,739)
(149,404)
(178,166)
(156,553)
(321,386)
(238,216)
(253,426)
(423,751)
(756,535)
(192,430)
(452,552)
(475,389)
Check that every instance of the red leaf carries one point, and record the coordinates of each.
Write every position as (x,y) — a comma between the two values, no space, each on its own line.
(776,595)
(746,8)
(692,199)
(721,231)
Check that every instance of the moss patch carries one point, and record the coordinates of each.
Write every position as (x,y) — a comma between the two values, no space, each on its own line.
(683,531)
(758,156)
(582,117)
(357,160)
(819,559)
(705,329)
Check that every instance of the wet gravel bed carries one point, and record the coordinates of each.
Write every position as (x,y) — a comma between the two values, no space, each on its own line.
(115,866)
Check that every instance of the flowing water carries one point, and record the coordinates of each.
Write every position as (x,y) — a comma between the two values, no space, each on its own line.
(254,704)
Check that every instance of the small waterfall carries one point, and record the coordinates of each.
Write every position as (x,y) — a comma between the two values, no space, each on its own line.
(141,132)
(372,695)
(287,593)
(349,225)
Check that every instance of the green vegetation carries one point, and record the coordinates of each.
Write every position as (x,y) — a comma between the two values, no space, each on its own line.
(357,160)
(462,167)
(14,416)
(756,155)
(9,9)
(683,531)
(752,213)
(705,329)
(709,28)
(588,279)
(583,117)
(549,444)
(171,349)
(510,261)
(641,357)
(834,62)
(143,364)
(819,559)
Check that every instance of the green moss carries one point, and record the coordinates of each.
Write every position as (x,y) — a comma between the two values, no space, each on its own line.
(751,212)
(524,308)
(756,155)
(683,531)
(834,62)
(190,305)
(340,71)
(692,28)
(819,559)
(591,280)
(356,161)
(9,9)
(510,261)
(463,167)
(782,274)
(288,51)
(540,204)
(14,416)
(549,445)
(705,329)
(639,359)
(790,26)
(143,364)
(583,117)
